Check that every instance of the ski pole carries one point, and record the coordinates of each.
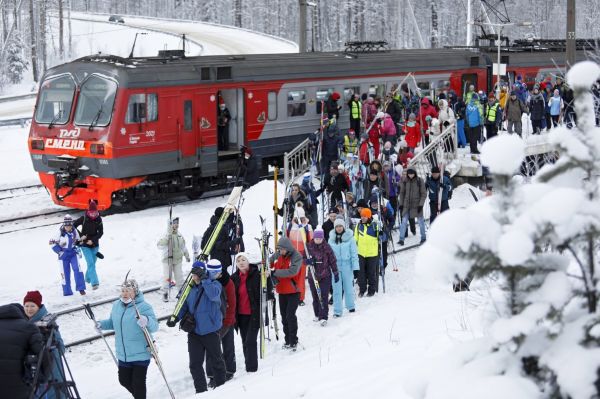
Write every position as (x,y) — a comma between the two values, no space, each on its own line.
(90,314)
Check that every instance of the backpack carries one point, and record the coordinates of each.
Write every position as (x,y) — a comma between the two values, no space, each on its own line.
(224,302)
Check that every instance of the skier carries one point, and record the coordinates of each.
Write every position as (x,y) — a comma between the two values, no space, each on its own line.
(295,236)
(226,242)
(438,185)
(248,291)
(310,207)
(201,317)
(332,145)
(356,172)
(391,180)
(369,110)
(65,246)
(18,339)
(513,113)
(411,200)
(328,224)
(130,342)
(373,182)
(226,333)
(405,155)
(91,232)
(286,264)
(323,262)
(290,203)
(388,129)
(35,311)
(174,249)
(385,220)
(388,153)
(366,235)
(365,149)
(375,134)
(334,184)
(537,108)
(556,105)
(473,122)
(249,169)
(460,111)
(492,114)
(350,143)
(344,248)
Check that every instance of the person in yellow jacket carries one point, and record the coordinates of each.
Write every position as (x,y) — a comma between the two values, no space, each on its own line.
(366,234)
(355,107)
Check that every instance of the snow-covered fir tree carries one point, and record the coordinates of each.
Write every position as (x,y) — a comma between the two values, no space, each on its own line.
(16,63)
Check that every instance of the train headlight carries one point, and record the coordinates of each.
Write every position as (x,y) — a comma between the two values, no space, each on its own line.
(37,144)
(97,149)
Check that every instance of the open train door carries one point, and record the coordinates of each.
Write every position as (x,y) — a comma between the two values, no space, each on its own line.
(234,99)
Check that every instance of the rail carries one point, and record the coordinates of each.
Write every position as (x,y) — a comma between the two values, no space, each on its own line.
(7,99)
(16,121)
(440,151)
(297,161)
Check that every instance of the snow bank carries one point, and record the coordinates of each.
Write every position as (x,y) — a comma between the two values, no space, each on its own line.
(583,74)
(503,154)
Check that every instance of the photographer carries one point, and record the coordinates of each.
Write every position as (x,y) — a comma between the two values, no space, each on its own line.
(131,345)
(35,312)
(18,338)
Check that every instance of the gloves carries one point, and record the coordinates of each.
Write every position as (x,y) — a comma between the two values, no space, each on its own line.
(170,323)
(309,261)
(336,277)
(142,321)
(98,327)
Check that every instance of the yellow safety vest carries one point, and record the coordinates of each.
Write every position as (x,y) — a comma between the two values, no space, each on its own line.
(367,245)
(491,113)
(350,146)
(356,107)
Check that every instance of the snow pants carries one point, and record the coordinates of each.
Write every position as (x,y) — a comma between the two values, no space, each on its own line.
(460,132)
(132,376)
(367,274)
(344,286)
(91,277)
(249,336)
(515,127)
(320,305)
(200,346)
(473,134)
(228,355)
(288,304)
(70,261)
(177,276)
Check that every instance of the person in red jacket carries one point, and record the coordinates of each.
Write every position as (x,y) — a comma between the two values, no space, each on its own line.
(364,150)
(375,133)
(413,133)
(285,271)
(427,109)
(227,331)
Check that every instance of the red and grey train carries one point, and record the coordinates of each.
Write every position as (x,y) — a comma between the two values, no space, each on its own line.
(130,130)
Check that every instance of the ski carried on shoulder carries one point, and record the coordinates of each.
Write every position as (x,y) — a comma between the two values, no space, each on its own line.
(232,201)
(170,284)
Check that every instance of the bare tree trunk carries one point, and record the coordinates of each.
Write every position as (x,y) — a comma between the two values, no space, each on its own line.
(43,26)
(237,13)
(70,28)
(34,67)
(61,28)
(4,21)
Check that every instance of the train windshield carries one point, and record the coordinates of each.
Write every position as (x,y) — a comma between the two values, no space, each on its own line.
(55,101)
(95,102)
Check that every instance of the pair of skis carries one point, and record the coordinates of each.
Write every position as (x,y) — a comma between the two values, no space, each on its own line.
(232,201)
(379,238)
(263,242)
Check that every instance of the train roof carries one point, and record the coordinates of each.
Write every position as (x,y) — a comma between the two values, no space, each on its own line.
(171,71)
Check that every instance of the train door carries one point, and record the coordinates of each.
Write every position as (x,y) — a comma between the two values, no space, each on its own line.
(205,119)
(188,131)
(234,101)
(468,79)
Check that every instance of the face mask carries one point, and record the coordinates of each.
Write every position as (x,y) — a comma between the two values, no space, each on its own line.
(411,123)
(126,301)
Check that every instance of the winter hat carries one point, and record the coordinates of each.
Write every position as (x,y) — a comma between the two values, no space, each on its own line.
(364,136)
(380,115)
(492,96)
(536,86)
(242,255)
(361,203)
(214,266)
(335,95)
(219,211)
(351,131)
(92,211)
(34,297)
(339,221)
(435,169)
(366,213)
(131,283)
(319,233)
(373,200)
(513,93)
(411,171)
(68,220)
(175,221)
(333,210)
(306,176)
(299,213)
(403,144)
(197,266)
(412,116)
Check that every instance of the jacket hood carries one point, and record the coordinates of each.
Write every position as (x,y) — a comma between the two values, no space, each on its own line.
(444,104)
(214,219)
(286,244)
(537,96)
(347,235)
(40,314)
(12,311)
(425,101)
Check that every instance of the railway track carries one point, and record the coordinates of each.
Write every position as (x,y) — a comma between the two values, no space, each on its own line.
(13,192)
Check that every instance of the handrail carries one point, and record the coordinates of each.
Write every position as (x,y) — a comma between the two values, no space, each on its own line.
(441,150)
(297,161)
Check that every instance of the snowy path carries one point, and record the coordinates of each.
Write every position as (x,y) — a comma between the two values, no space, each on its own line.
(215,39)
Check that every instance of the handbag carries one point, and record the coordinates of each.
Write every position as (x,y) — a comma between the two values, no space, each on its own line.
(188,321)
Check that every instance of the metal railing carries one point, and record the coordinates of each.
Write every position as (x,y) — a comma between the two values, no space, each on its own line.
(297,161)
(441,150)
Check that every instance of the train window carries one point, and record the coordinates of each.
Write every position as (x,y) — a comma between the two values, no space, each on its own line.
(348,93)
(377,90)
(425,88)
(142,108)
(205,73)
(96,100)
(296,104)
(187,115)
(272,105)
(56,98)
(322,95)
(223,73)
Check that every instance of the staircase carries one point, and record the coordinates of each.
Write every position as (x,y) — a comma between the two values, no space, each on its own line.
(440,152)
(297,162)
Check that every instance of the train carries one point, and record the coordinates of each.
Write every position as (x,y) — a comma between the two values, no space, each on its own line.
(125,131)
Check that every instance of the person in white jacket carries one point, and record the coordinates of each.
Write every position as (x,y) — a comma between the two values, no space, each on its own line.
(174,250)
(446,118)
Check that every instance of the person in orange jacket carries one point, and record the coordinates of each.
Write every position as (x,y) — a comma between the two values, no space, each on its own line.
(300,222)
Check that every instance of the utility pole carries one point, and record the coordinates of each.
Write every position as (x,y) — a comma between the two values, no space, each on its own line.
(302,26)
(571,42)
(434,26)
(469,23)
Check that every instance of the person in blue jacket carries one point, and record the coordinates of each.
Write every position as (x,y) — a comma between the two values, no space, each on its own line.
(204,304)
(35,312)
(64,244)
(473,122)
(437,184)
(344,248)
(131,346)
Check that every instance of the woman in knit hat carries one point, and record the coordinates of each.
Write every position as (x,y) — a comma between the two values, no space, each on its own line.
(321,259)
(344,248)
(35,311)
(300,232)
(91,232)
